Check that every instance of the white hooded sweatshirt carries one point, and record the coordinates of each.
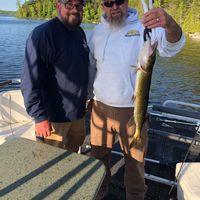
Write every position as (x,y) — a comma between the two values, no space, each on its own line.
(114,54)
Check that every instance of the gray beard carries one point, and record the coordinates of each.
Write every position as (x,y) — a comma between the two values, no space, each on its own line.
(117,22)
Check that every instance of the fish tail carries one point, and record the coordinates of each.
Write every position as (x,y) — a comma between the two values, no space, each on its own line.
(136,141)
(137,134)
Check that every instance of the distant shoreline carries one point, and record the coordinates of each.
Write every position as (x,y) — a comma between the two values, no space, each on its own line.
(7,13)
(193,35)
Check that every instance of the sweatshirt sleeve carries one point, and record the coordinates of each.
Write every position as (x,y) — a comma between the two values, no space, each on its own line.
(165,48)
(32,76)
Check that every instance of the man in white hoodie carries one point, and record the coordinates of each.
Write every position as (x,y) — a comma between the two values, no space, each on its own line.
(115,45)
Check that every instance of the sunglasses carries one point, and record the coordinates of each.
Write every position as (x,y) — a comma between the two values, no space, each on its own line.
(110,4)
(71,6)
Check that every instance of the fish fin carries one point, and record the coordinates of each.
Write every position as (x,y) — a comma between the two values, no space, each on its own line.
(141,69)
(131,121)
(136,143)
(135,71)
(133,98)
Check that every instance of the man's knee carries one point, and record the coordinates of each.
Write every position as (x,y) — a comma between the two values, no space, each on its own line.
(100,151)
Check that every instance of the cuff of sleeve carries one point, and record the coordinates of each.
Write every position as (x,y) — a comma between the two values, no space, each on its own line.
(40,119)
(175,45)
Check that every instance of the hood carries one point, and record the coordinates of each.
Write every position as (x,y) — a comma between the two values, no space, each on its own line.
(132,16)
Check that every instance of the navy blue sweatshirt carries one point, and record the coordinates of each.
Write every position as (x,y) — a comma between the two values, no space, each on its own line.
(54,77)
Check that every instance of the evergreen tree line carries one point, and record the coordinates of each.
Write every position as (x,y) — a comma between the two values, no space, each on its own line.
(3,12)
(186,12)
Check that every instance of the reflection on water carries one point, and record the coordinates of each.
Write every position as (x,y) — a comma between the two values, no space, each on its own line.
(178,78)
(175,78)
(13,34)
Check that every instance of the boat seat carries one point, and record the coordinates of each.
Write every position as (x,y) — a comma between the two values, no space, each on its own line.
(188,181)
(14,121)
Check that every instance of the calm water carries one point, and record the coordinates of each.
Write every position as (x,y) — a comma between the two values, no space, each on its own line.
(175,78)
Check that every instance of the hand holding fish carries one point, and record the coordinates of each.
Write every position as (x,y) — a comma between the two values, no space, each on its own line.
(158,17)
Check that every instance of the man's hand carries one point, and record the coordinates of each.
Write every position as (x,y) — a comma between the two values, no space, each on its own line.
(158,17)
(43,129)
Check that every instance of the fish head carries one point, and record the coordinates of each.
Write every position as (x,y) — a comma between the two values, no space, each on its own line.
(147,55)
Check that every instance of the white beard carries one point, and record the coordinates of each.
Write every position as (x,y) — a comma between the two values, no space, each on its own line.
(117,22)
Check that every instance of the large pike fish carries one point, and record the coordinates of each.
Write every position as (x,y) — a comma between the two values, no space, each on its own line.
(147,59)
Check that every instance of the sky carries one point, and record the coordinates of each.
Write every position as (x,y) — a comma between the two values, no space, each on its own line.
(9,5)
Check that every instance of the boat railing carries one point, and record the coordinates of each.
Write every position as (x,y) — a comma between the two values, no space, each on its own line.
(172,115)
(171,110)
(169,116)
(167,102)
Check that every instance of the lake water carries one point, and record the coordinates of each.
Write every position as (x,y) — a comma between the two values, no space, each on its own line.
(176,78)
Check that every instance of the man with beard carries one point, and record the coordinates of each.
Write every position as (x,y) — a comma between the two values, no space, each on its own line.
(115,45)
(54,78)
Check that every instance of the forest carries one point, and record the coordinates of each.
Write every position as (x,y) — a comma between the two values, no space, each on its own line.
(186,12)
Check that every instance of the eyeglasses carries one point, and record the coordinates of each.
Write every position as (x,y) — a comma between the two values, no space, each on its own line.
(71,6)
(110,4)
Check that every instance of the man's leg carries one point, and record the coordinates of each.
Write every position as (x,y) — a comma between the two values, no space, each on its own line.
(101,141)
(103,154)
(134,158)
(76,135)
(67,135)
(134,179)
